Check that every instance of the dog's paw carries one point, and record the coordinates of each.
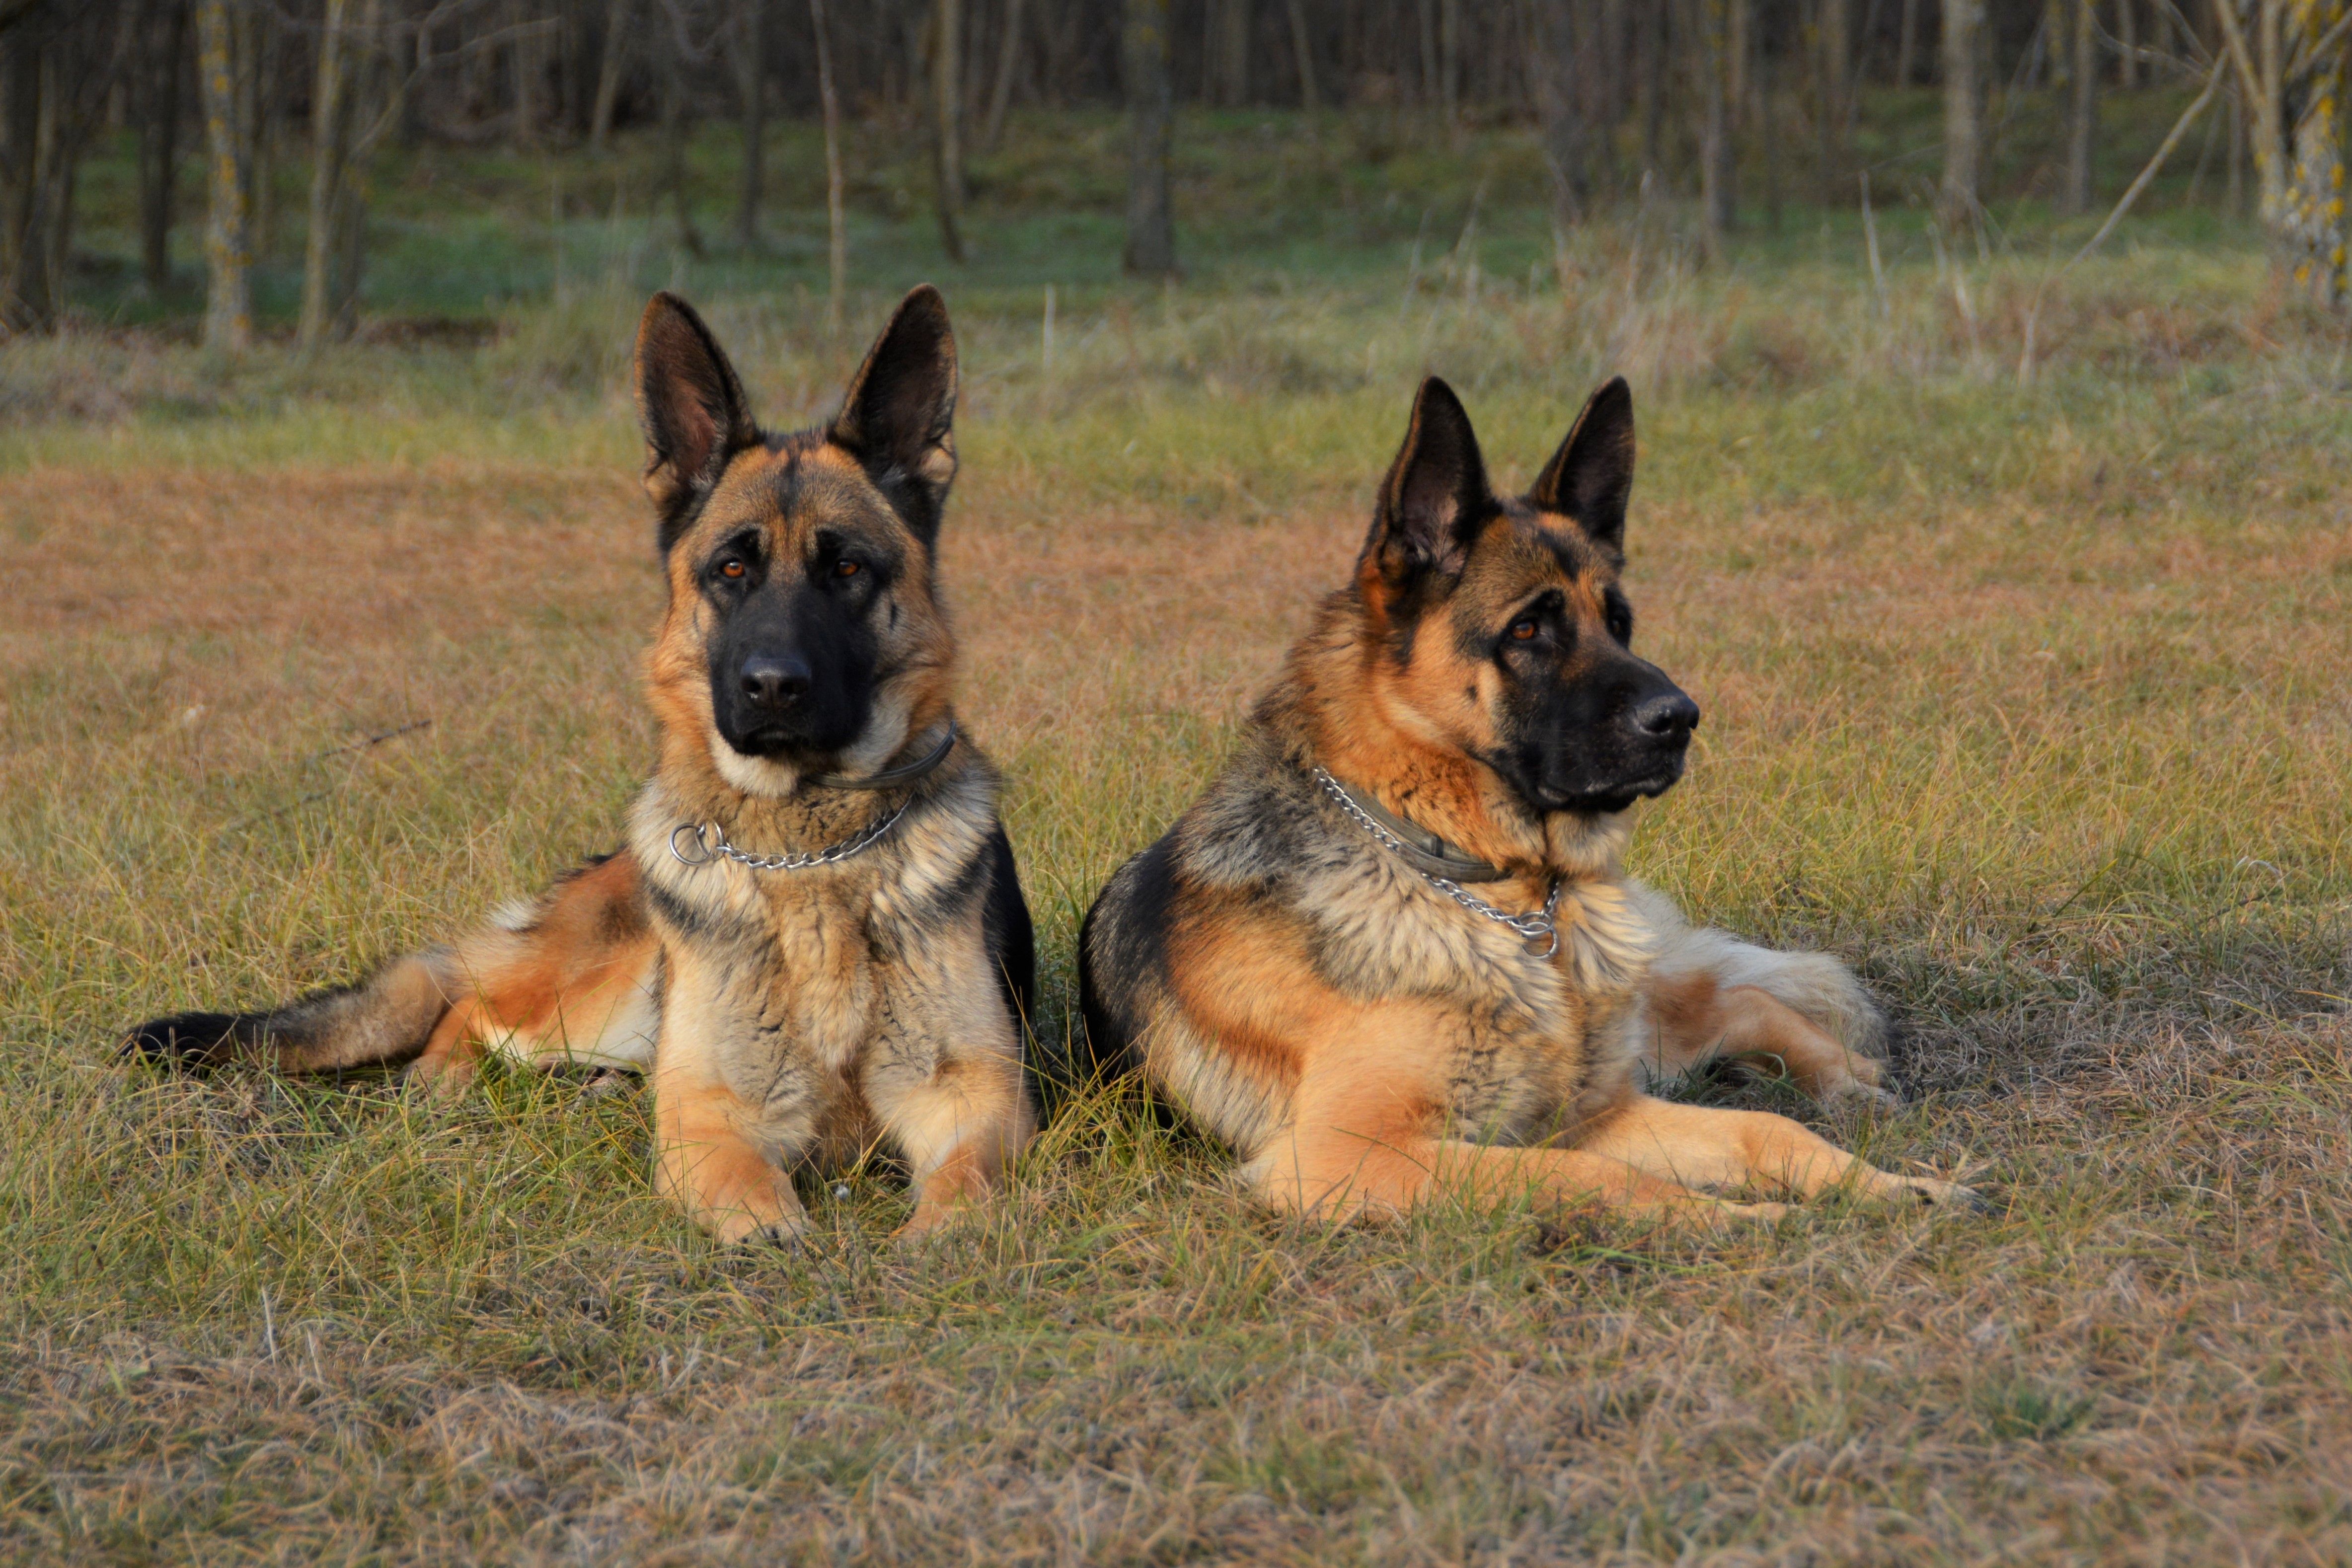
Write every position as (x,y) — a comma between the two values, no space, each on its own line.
(185,1042)
(608,1083)
(788,1236)
(1937,1192)
(1857,1094)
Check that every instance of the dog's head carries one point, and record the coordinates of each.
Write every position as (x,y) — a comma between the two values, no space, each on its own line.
(1502,631)
(805,633)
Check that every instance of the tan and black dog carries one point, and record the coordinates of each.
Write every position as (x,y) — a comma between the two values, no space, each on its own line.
(813,939)
(1392,951)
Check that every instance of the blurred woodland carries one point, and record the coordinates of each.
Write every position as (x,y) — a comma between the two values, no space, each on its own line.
(1634,100)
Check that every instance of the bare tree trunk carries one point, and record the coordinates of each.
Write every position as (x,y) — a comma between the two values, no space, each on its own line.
(2233,195)
(750,92)
(1302,45)
(674,134)
(1651,51)
(1224,52)
(163,39)
(1739,42)
(256,120)
(527,55)
(26,299)
(1008,62)
(1963,129)
(364,71)
(58,78)
(1709,57)
(2263,86)
(2128,43)
(1425,12)
(946,122)
(229,260)
(1551,36)
(837,239)
(1907,43)
(2313,226)
(1144,51)
(2083,111)
(330,137)
(608,73)
(1449,61)
(1767,123)
(1833,63)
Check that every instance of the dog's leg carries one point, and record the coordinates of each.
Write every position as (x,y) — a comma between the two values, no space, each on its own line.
(1345,1176)
(962,1124)
(1702,1146)
(707,1165)
(1697,1019)
(1350,1153)
(454,1051)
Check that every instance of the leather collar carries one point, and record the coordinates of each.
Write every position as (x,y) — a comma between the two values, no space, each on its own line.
(889,778)
(1423,850)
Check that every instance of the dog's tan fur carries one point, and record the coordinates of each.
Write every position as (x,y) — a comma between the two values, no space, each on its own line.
(783,1016)
(1361,1040)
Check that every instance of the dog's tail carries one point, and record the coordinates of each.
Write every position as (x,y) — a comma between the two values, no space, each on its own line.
(572,976)
(386,1020)
(1814,984)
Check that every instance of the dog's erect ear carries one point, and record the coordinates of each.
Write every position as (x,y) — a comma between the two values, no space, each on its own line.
(898,417)
(1591,475)
(691,406)
(1435,495)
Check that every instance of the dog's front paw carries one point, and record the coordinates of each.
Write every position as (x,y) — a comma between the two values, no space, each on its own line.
(1857,1094)
(782,1235)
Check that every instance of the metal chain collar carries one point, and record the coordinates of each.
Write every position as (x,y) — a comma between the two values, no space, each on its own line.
(1539,926)
(710,844)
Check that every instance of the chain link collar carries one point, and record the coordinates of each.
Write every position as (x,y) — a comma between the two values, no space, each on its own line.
(710,842)
(1539,930)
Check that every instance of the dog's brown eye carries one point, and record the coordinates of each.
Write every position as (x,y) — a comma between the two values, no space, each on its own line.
(844,569)
(733,570)
(1523,629)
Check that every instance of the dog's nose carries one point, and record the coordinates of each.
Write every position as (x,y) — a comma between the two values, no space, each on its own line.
(1669,716)
(775,682)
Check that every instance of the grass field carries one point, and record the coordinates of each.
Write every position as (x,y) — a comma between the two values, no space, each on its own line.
(2028,695)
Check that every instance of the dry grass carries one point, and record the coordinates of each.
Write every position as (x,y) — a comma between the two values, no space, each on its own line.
(2032,702)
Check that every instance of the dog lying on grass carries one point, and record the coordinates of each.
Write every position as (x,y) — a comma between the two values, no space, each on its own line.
(814,940)
(1392,950)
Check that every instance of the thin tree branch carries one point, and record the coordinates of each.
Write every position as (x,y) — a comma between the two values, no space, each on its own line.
(2172,140)
(2235,37)
(2164,151)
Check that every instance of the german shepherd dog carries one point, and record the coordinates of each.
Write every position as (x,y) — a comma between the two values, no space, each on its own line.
(814,939)
(1392,951)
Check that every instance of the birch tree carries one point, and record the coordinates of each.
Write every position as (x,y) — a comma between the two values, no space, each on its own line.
(229,253)
(947,122)
(1963,110)
(2291,74)
(2083,113)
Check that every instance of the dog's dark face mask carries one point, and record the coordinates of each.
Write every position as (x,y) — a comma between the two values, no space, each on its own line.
(808,556)
(1504,616)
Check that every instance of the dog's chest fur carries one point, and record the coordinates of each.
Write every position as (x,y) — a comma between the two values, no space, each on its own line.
(1536,1042)
(787,984)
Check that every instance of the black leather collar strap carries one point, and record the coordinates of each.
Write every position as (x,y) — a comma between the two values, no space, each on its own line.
(1424,851)
(889,778)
